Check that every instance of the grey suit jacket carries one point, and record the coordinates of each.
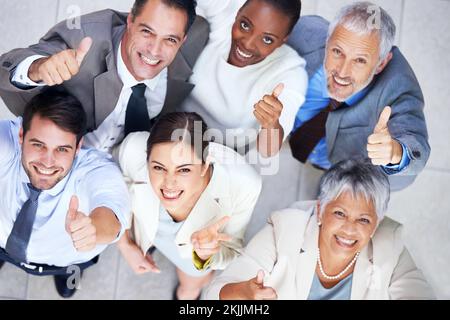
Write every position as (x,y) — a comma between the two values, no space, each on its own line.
(98,85)
(347,129)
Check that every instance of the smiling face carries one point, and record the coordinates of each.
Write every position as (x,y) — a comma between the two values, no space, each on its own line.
(258,30)
(47,152)
(347,225)
(153,39)
(351,62)
(177,176)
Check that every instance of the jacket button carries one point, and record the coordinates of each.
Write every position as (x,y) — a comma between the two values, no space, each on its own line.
(7,64)
(416,154)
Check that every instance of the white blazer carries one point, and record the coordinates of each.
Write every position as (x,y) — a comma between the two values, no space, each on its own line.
(286,249)
(232,191)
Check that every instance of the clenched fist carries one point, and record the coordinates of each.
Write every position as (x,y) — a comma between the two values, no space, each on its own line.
(268,110)
(61,66)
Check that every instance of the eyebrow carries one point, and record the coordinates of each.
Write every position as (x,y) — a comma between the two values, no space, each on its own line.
(68,146)
(178,167)
(365,55)
(153,30)
(266,33)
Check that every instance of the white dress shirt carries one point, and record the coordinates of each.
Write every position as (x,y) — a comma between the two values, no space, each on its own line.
(94,178)
(111,130)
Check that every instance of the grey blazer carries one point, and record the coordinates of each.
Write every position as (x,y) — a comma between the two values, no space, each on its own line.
(396,86)
(98,85)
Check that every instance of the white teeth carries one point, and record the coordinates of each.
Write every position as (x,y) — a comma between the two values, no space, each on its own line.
(346,241)
(246,56)
(46,172)
(149,61)
(342,83)
(171,194)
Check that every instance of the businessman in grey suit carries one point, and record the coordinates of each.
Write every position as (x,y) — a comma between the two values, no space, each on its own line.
(126,69)
(363,98)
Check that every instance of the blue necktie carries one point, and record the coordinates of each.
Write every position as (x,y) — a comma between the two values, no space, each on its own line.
(16,245)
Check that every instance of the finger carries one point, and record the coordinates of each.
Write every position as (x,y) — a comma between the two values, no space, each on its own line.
(47,79)
(380,162)
(278,90)
(378,155)
(85,244)
(207,252)
(274,103)
(267,293)
(54,75)
(207,245)
(151,265)
(263,116)
(224,237)
(73,208)
(383,120)
(378,138)
(64,72)
(260,277)
(83,49)
(83,233)
(266,108)
(80,222)
(220,224)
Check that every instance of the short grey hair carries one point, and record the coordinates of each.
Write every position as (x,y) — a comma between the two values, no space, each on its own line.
(359,177)
(364,18)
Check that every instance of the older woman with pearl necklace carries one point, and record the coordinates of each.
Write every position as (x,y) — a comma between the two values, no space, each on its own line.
(338,247)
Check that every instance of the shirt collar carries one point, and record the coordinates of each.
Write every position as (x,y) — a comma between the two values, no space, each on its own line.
(127,78)
(353,99)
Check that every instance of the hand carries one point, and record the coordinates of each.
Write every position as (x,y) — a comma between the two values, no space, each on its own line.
(381,148)
(268,110)
(206,242)
(80,227)
(61,66)
(252,289)
(140,263)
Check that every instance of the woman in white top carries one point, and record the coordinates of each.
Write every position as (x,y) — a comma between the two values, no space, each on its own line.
(339,247)
(191,207)
(238,75)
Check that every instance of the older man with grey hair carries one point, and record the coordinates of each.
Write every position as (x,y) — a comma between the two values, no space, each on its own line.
(340,247)
(363,98)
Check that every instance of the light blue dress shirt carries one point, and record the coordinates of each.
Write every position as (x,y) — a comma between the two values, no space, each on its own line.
(94,178)
(317,98)
(341,291)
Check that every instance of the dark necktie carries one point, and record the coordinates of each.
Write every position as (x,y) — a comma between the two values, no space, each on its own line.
(18,239)
(136,116)
(307,136)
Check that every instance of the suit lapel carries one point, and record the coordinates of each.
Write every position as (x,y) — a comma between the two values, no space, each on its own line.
(307,259)
(178,88)
(107,86)
(332,126)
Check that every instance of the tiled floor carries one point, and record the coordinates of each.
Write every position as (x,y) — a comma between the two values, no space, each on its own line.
(423,36)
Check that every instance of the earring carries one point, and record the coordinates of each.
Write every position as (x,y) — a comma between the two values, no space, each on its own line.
(319,223)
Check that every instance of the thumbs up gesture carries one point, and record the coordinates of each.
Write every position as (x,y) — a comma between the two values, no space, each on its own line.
(80,227)
(256,289)
(268,110)
(61,66)
(206,242)
(381,148)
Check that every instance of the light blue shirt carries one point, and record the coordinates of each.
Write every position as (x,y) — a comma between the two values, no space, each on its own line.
(94,178)
(341,291)
(317,98)
(165,242)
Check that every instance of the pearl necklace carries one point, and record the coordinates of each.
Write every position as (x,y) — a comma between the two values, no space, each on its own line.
(338,276)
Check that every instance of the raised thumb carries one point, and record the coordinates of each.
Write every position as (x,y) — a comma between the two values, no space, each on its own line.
(278,90)
(73,209)
(260,277)
(383,120)
(83,49)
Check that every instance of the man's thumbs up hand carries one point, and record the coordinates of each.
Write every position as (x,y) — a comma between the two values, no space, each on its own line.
(80,227)
(381,148)
(61,66)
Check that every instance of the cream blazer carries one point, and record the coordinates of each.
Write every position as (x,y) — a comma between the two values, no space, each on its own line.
(232,191)
(286,249)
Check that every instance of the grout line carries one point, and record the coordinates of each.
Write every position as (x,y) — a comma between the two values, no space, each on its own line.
(401,25)
(57,11)
(116,284)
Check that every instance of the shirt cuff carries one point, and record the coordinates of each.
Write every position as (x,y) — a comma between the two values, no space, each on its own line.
(199,263)
(20,74)
(404,162)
